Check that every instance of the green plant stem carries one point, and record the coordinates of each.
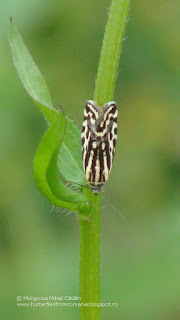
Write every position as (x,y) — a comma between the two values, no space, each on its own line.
(90,224)
(111,50)
(90,258)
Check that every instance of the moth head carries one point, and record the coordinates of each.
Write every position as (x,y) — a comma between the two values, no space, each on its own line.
(96,188)
(95,191)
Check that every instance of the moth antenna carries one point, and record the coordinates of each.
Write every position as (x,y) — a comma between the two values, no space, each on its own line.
(115,209)
(81,185)
(103,207)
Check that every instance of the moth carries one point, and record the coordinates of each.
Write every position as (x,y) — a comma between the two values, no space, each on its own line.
(99,135)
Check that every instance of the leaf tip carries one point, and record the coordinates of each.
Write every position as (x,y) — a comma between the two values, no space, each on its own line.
(11,20)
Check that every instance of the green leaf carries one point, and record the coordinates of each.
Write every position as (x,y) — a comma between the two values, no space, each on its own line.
(46,172)
(30,75)
(65,147)
(70,155)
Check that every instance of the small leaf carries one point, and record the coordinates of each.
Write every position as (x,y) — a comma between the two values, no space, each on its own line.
(46,171)
(30,75)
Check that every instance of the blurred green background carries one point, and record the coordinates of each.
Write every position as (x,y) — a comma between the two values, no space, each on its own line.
(140,256)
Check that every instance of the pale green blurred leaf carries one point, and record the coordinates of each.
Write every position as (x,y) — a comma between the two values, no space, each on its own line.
(30,75)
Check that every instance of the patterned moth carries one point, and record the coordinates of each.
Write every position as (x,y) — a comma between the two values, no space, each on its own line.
(99,135)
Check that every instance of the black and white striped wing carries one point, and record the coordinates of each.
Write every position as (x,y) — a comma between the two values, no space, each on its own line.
(99,135)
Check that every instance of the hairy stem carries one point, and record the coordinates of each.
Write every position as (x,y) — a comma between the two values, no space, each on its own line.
(90,258)
(90,224)
(111,50)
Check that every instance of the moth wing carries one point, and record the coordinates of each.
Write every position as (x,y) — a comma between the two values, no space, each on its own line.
(110,119)
(91,113)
